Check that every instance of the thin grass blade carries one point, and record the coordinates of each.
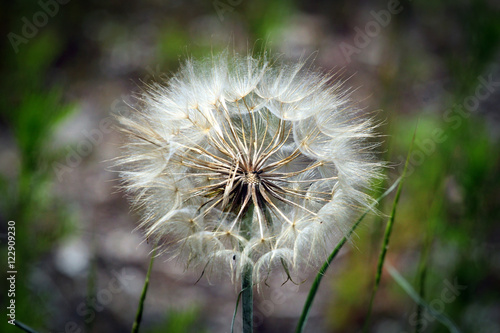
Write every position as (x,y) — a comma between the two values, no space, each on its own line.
(437,202)
(443,319)
(387,236)
(24,327)
(140,308)
(314,288)
(235,311)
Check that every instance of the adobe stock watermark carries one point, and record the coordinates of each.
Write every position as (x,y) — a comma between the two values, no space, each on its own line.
(372,29)
(31,26)
(449,294)
(11,272)
(225,6)
(454,117)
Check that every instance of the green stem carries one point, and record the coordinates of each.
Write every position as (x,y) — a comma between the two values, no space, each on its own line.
(246,278)
(247,299)
(314,288)
(140,308)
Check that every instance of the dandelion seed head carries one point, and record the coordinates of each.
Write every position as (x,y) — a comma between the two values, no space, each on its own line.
(240,160)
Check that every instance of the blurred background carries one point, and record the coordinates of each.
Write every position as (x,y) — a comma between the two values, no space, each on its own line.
(66,66)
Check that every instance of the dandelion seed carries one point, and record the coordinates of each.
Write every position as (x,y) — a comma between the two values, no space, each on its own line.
(233,134)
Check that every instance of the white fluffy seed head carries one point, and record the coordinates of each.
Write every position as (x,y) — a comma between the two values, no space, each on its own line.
(238,160)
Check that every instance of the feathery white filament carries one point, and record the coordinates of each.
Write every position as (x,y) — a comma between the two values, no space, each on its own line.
(229,133)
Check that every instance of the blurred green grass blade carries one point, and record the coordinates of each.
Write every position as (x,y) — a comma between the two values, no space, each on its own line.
(24,327)
(314,288)
(37,116)
(178,320)
(422,277)
(140,308)
(387,235)
(437,202)
(39,55)
(443,319)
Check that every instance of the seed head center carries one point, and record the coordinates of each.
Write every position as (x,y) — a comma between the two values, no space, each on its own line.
(252,177)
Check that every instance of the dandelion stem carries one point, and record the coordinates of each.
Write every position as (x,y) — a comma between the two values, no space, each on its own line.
(247,299)
(140,308)
(246,278)
(314,288)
